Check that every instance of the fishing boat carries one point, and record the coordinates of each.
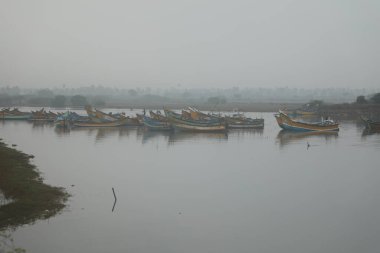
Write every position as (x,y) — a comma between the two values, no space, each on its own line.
(102,118)
(239,121)
(99,116)
(132,121)
(371,124)
(15,114)
(185,124)
(63,120)
(153,124)
(285,122)
(158,116)
(198,115)
(43,115)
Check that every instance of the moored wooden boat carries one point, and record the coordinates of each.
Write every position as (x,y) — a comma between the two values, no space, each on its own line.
(43,115)
(176,117)
(118,123)
(14,117)
(157,116)
(153,124)
(185,124)
(239,121)
(285,122)
(201,128)
(15,114)
(198,115)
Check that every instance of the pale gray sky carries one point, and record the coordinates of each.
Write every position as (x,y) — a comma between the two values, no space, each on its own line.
(197,43)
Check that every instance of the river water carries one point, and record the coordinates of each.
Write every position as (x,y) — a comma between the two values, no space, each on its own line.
(245,191)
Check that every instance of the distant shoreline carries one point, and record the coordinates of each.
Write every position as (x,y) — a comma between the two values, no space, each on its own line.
(228,107)
(345,110)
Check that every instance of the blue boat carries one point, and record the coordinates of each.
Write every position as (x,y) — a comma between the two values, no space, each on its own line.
(153,124)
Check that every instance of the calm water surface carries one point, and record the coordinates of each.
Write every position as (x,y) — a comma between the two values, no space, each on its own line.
(247,191)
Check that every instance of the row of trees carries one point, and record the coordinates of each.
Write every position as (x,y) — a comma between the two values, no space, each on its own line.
(61,101)
(54,101)
(375,99)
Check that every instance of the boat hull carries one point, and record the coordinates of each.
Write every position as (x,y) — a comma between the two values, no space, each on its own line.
(285,122)
(193,128)
(156,125)
(103,124)
(15,117)
(194,125)
(246,123)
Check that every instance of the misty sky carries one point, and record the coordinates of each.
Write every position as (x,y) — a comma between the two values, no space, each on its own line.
(195,43)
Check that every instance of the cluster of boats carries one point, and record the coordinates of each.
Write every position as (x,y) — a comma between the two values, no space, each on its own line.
(195,120)
(189,119)
(40,115)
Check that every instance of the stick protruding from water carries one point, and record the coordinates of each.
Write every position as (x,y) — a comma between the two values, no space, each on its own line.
(114,203)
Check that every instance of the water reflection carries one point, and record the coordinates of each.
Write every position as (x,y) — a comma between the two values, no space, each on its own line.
(246,132)
(153,135)
(287,137)
(178,137)
(61,131)
(104,132)
(41,125)
(367,131)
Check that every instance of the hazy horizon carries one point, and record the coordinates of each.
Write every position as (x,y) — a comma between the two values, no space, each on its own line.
(190,44)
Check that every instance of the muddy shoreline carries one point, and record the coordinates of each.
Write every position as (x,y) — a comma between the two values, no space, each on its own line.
(31,199)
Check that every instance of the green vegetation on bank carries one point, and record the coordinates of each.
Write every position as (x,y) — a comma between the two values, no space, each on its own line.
(31,198)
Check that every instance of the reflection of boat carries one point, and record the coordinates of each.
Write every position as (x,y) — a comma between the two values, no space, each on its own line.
(285,137)
(188,124)
(373,126)
(191,136)
(246,131)
(104,132)
(153,124)
(62,131)
(367,131)
(151,135)
(285,122)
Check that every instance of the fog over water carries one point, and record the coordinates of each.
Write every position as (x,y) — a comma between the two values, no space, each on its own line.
(192,43)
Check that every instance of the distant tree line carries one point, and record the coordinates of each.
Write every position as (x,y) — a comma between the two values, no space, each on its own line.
(374,99)
(51,100)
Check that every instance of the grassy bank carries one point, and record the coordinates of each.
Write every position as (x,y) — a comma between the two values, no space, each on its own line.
(21,182)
